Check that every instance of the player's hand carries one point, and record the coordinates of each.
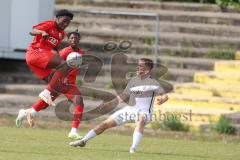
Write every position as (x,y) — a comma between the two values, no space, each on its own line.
(162,99)
(45,35)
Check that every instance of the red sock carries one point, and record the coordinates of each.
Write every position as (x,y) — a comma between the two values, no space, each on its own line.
(77,116)
(56,81)
(39,105)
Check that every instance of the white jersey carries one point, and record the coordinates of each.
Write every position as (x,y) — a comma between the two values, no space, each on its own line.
(141,92)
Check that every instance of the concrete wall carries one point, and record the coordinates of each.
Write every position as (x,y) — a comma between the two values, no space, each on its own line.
(5,16)
(17,19)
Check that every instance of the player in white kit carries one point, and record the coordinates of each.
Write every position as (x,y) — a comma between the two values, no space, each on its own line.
(141,91)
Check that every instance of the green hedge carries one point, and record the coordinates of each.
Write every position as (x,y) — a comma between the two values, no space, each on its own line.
(173,122)
(224,126)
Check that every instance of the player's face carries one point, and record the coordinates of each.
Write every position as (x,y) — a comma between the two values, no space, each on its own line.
(63,22)
(142,69)
(73,40)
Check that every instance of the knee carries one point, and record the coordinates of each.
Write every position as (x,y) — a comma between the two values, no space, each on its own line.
(105,125)
(142,120)
(79,100)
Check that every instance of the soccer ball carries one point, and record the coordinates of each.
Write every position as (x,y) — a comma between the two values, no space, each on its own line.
(74,60)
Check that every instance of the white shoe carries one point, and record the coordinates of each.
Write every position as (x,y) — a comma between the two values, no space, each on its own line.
(80,143)
(45,95)
(74,136)
(132,150)
(21,115)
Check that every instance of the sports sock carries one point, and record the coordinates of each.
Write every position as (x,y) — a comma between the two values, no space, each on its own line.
(33,112)
(77,116)
(74,130)
(39,105)
(91,134)
(137,136)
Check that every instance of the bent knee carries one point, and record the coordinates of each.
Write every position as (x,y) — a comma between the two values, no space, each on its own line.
(142,119)
(107,124)
(79,100)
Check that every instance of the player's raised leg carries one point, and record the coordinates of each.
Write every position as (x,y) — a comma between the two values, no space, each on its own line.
(32,112)
(42,55)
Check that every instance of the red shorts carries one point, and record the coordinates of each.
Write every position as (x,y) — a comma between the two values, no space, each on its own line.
(38,60)
(70,90)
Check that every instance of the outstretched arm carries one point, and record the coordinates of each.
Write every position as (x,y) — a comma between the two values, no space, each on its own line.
(35,32)
(113,103)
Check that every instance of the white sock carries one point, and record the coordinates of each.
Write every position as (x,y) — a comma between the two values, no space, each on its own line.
(33,112)
(91,134)
(137,136)
(74,130)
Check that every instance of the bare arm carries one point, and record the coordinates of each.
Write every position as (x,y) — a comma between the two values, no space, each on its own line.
(35,32)
(113,103)
(162,99)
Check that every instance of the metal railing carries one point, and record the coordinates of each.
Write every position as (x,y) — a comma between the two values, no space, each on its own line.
(156,49)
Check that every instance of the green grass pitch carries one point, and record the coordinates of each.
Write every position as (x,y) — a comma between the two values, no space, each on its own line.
(52,144)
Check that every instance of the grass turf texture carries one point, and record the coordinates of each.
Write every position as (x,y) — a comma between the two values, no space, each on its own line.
(49,144)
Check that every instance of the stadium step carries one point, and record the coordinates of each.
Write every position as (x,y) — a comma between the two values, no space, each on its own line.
(227,66)
(234,118)
(182,36)
(167,61)
(165,15)
(150,25)
(178,38)
(19,78)
(10,104)
(199,109)
(21,89)
(173,74)
(237,55)
(195,114)
(142,4)
(232,104)
(198,89)
(226,78)
(34,89)
(95,44)
(173,38)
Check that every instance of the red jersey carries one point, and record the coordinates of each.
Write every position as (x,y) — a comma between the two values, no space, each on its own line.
(55,36)
(64,53)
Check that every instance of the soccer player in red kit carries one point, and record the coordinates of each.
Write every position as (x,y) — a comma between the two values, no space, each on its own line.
(68,87)
(42,55)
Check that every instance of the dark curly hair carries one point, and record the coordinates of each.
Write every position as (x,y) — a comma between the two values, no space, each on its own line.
(74,33)
(64,12)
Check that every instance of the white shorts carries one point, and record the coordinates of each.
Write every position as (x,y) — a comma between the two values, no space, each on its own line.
(129,115)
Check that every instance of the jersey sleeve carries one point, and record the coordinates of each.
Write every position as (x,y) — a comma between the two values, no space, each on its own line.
(43,26)
(127,90)
(160,89)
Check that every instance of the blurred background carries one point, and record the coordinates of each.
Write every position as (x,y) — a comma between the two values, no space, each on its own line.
(197,40)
